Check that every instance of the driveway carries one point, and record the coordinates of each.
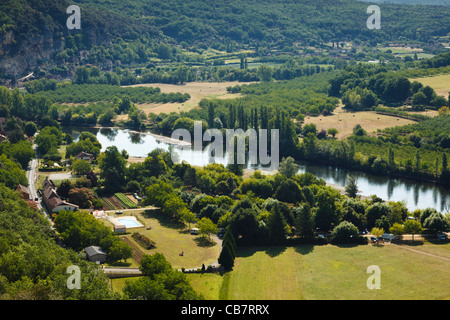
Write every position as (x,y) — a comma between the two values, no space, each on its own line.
(61,176)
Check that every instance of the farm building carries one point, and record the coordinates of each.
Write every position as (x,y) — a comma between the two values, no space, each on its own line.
(120,228)
(95,254)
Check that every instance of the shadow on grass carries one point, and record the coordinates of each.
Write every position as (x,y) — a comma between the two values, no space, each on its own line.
(272,251)
(163,220)
(304,249)
(275,251)
(224,289)
(204,242)
(410,243)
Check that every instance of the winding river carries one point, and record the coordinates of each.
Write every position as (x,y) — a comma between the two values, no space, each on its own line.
(417,195)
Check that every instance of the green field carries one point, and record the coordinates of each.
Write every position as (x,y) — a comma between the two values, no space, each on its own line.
(440,83)
(330,272)
(171,239)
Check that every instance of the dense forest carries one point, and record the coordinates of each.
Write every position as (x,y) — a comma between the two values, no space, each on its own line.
(136,32)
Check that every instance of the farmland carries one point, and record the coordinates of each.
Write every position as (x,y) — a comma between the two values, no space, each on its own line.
(344,122)
(196,90)
(440,83)
(119,201)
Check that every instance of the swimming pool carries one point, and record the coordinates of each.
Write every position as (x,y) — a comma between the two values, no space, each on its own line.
(129,222)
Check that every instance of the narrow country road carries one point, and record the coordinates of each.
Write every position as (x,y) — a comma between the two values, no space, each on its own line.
(31,176)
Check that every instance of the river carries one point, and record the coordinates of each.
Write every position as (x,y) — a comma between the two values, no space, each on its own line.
(416,194)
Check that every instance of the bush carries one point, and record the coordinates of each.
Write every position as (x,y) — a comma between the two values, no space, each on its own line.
(344,233)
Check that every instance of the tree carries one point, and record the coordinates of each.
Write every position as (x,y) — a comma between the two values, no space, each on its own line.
(81,167)
(333,132)
(63,189)
(226,259)
(304,222)
(359,131)
(377,232)
(351,188)
(391,161)
(112,169)
(417,161)
(397,229)
(30,129)
(419,99)
(82,197)
(444,169)
(172,206)
(206,227)
(376,211)
(327,212)
(154,264)
(264,73)
(187,216)
(228,253)
(288,167)
(278,228)
(436,222)
(11,174)
(344,232)
(412,227)
(119,251)
(289,191)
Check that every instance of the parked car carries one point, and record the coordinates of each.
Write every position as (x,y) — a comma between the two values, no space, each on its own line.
(388,236)
(373,239)
(441,236)
(194,231)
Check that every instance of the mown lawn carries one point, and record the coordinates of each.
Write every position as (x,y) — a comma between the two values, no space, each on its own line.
(328,272)
(171,239)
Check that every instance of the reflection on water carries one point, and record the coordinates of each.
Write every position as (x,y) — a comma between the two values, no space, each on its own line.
(416,194)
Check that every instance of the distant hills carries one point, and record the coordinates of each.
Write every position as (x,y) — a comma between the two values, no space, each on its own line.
(34,31)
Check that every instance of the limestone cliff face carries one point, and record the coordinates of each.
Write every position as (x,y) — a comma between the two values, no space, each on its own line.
(21,56)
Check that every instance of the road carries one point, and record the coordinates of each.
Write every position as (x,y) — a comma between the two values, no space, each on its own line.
(31,176)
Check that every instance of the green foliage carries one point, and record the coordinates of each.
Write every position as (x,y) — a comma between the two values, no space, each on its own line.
(112,169)
(81,167)
(126,201)
(344,232)
(11,174)
(81,93)
(160,282)
(32,265)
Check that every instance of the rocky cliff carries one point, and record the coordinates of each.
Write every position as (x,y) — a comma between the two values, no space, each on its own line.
(36,31)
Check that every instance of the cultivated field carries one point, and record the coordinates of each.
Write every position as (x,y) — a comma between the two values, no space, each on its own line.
(197,91)
(344,122)
(330,272)
(440,83)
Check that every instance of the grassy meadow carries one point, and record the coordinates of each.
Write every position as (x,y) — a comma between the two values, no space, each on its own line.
(171,239)
(344,122)
(329,272)
(440,83)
